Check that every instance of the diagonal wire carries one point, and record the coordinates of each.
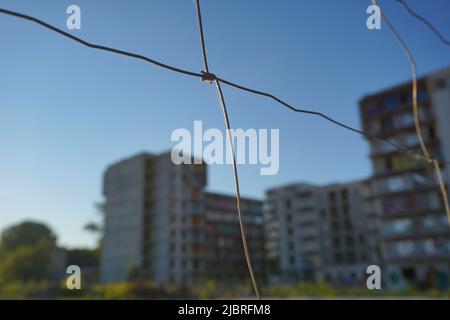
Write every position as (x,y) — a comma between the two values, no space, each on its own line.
(431,160)
(413,154)
(425,21)
(324,116)
(96,46)
(230,141)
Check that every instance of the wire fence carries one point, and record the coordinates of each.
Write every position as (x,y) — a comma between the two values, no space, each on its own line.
(206,75)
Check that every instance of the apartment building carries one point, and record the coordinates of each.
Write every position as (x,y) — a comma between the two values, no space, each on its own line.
(225,257)
(161,223)
(415,232)
(287,257)
(350,229)
(154,220)
(320,231)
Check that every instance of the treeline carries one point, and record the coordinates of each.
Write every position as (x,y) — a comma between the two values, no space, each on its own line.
(31,263)
(32,266)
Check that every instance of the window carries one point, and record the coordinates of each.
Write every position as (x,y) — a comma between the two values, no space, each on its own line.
(350,257)
(388,164)
(440,83)
(333,212)
(431,133)
(291,245)
(336,242)
(349,241)
(423,96)
(386,125)
(195,264)
(348,225)
(288,204)
(397,226)
(344,195)
(291,260)
(332,196)
(345,210)
(335,226)
(361,239)
(371,110)
(391,103)
(403,120)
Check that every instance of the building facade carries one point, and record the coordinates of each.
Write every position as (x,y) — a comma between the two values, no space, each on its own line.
(162,224)
(415,230)
(320,231)
(153,220)
(226,261)
(350,231)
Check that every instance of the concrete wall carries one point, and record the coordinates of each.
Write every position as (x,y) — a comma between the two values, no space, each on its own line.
(122,245)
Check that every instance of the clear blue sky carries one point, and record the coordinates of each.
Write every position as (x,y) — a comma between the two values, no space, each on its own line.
(67,111)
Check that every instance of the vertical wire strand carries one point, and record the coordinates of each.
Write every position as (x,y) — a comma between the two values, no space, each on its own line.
(202,36)
(442,187)
(236,188)
(418,128)
(413,65)
(233,157)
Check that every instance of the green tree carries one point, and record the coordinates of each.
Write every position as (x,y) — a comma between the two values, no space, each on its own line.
(26,252)
(27,233)
(26,263)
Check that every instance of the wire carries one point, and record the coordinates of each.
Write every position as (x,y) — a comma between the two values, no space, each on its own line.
(442,188)
(369,136)
(319,114)
(202,36)
(230,141)
(425,21)
(413,65)
(211,77)
(96,46)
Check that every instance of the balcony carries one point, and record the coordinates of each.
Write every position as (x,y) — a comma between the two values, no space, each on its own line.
(418,227)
